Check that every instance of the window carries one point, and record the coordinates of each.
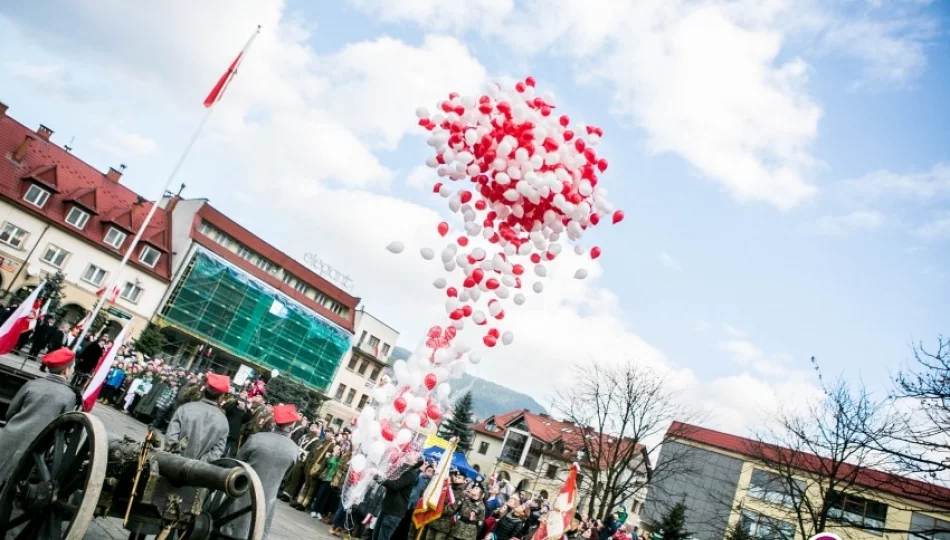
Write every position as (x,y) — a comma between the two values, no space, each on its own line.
(774,489)
(373,342)
(385,350)
(514,447)
(301,287)
(115,237)
(551,472)
(245,253)
(353,361)
(94,275)
(149,256)
(54,256)
(350,396)
(131,292)
(36,196)
(763,527)
(363,401)
(533,459)
(339,392)
(362,369)
(857,511)
(77,217)
(924,528)
(362,338)
(220,237)
(265,265)
(206,229)
(375,373)
(12,235)
(483,448)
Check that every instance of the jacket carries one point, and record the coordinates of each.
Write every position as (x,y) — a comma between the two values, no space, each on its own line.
(398,489)
(203,425)
(508,527)
(342,468)
(467,528)
(236,417)
(167,399)
(89,357)
(270,455)
(447,521)
(115,377)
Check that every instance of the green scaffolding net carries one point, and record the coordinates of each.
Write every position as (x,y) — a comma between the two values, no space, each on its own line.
(238,314)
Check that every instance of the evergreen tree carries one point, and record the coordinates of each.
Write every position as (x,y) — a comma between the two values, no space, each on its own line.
(99,323)
(54,291)
(150,342)
(460,424)
(283,389)
(673,524)
(738,532)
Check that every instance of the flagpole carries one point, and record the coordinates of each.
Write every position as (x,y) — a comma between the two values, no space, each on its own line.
(151,211)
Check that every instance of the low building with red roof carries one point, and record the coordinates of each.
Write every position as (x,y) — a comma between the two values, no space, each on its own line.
(58,213)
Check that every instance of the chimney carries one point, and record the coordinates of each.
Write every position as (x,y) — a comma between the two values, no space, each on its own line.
(24,147)
(3,109)
(171,203)
(115,175)
(44,132)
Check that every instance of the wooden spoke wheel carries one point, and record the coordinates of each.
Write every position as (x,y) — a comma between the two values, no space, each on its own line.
(225,518)
(53,492)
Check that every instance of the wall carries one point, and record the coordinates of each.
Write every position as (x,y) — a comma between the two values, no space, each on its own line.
(81,255)
(183,217)
(486,462)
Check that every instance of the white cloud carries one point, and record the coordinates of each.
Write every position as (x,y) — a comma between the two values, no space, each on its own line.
(937,229)
(862,220)
(668,261)
(746,354)
(46,79)
(732,330)
(929,185)
(123,143)
(438,14)
(420,177)
(701,325)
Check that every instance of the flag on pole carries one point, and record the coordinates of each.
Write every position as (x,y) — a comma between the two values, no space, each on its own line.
(82,322)
(91,392)
(113,294)
(561,514)
(19,321)
(38,312)
(438,493)
(218,91)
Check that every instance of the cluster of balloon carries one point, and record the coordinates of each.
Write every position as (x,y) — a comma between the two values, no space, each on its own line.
(525,181)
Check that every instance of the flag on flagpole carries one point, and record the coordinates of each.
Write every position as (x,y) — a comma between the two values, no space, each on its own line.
(91,392)
(19,321)
(82,322)
(113,294)
(438,493)
(37,314)
(218,91)
(561,514)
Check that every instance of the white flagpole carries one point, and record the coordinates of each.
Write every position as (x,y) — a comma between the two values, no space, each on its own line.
(114,279)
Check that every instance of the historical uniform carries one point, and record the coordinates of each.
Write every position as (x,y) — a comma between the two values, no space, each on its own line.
(315,462)
(441,529)
(200,429)
(295,477)
(262,419)
(467,526)
(35,405)
(270,455)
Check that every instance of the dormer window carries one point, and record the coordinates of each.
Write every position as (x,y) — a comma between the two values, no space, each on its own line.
(36,196)
(77,217)
(115,237)
(149,256)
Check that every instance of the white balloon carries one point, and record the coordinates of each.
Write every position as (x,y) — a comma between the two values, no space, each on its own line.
(422,112)
(358,463)
(412,420)
(478,317)
(376,451)
(457,369)
(366,416)
(449,266)
(474,357)
(439,283)
(440,372)
(459,324)
(443,356)
(463,296)
(507,338)
(540,270)
(415,379)
(451,303)
(373,431)
(581,273)
(427,253)
(519,299)
(443,390)
(403,437)
(538,286)
(401,370)
(502,292)
(418,404)
(396,247)
(579,249)
(388,412)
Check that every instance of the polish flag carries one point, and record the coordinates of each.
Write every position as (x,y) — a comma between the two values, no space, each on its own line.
(19,321)
(438,493)
(218,91)
(40,314)
(113,294)
(91,393)
(559,518)
(82,322)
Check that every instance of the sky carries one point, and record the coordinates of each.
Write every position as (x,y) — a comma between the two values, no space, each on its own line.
(784,165)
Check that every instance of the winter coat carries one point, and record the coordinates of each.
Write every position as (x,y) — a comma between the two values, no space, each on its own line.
(270,455)
(89,357)
(447,521)
(508,527)
(167,398)
(315,457)
(236,417)
(398,489)
(146,405)
(115,377)
(203,425)
(342,468)
(35,405)
(467,528)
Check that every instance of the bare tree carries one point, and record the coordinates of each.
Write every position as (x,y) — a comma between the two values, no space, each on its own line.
(624,411)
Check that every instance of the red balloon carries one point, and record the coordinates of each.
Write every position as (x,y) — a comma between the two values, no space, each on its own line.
(478,274)
(594,219)
(452,292)
(492,284)
(564,120)
(602,165)
(517,269)
(535,258)
(433,412)
(430,380)
(466,196)
(437,187)
(501,315)
(466,310)
(443,228)
(480,205)
(388,433)
(529,81)
(400,404)
(489,341)
(457,315)
(618,216)
(451,332)
(594,252)
(423,420)
(494,332)
(463,241)
(469,282)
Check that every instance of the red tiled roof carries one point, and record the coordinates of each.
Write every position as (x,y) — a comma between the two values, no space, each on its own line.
(226,224)
(73,181)
(900,486)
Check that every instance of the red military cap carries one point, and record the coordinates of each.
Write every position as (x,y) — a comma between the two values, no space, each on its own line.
(58,358)
(219,383)
(285,414)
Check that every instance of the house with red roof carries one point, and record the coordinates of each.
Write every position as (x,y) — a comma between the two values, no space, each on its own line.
(533,452)
(58,213)
(725,480)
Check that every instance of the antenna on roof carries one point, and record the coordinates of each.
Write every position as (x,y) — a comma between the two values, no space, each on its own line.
(69,146)
(180,189)
(122,167)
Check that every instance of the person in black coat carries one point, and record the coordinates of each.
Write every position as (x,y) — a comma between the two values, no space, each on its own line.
(396,501)
(237,413)
(57,336)
(41,335)
(87,360)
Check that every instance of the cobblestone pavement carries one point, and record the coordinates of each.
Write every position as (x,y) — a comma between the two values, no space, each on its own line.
(288,523)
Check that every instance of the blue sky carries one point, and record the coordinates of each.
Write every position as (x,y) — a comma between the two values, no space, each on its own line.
(783,165)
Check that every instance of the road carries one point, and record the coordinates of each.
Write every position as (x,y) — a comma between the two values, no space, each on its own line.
(288,523)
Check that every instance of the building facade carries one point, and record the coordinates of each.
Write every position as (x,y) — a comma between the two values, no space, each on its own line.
(236,302)
(360,371)
(58,213)
(723,485)
(535,451)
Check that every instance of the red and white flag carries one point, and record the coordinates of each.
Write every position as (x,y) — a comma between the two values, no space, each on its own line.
(82,322)
(113,294)
(38,313)
(19,321)
(218,91)
(561,514)
(91,392)
(438,493)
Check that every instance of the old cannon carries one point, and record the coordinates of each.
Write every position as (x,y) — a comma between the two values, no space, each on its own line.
(72,473)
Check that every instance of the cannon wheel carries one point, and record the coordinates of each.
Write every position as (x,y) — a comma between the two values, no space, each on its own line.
(53,492)
(232,519)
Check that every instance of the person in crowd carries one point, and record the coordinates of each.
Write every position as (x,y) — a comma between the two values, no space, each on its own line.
(325,508)
(139,387)
(610,526)
(145,408)
(72,336)
(495,501)
(295,477)
(489,526)
(270,454)
(113,382)
(299,430)
(7,311)
(35,405)
(237,413)
(41,335)
(257,389)
(163,404)
(87,360)
(441,529)
(397,495)
(199,430)
(471,514)
(312,467)
(513,522)
(324,476)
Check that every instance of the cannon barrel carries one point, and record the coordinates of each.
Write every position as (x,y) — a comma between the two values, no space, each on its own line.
(191,472)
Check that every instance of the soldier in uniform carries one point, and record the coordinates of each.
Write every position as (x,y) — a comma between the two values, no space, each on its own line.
(35,405)
(471,514)
(315,462)
(199,430)
(295,476)
(441,529)
(270,454)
